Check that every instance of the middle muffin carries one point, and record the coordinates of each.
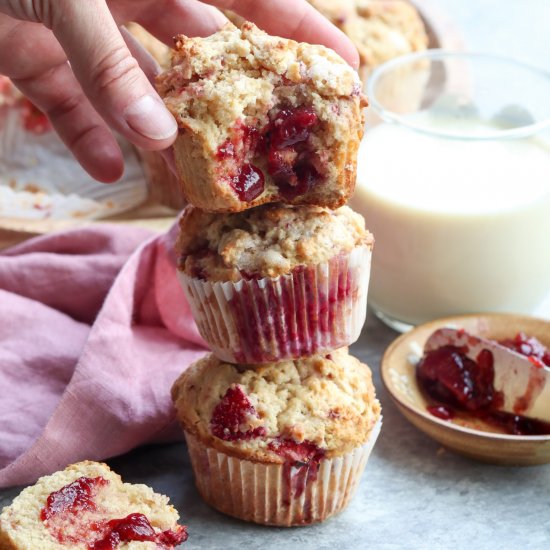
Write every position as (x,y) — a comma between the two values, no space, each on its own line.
(275,282)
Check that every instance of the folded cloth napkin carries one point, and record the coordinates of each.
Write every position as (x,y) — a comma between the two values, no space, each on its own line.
(94,328)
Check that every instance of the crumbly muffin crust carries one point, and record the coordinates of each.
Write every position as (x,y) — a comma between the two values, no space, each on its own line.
(228,91)
(328,401)
(266,241)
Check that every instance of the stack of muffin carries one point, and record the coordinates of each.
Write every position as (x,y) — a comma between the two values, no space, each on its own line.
(279,419)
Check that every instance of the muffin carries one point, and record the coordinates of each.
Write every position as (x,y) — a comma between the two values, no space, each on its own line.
(380,29)
(158,50)
(262,119)
(87,506)
(164,187)
(278,444)
(277,281)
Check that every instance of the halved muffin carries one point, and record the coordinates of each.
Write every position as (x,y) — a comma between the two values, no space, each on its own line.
(86,506)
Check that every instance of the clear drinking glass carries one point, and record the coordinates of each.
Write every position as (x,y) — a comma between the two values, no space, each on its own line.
(454,183)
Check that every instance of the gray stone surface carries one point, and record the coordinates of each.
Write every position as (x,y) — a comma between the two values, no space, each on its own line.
(414,495)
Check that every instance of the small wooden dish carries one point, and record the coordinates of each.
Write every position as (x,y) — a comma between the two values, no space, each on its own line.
(398,376)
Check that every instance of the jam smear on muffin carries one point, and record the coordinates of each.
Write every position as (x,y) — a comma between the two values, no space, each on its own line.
(301,465)
(136,527)
(72,498)
(74,506)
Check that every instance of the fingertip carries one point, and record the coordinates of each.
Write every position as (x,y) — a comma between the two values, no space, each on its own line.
(150,119)
(100,156)
(110,166)
(352,56)
(342,45)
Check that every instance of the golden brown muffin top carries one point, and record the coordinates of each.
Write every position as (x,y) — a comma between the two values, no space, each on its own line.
(327,401)
(266,241)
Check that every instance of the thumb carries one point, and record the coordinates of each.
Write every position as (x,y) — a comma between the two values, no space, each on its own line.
(109,75)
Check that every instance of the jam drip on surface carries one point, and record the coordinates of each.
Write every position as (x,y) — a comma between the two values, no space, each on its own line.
(136,527)
(455,381)
(231,417)
(73,498)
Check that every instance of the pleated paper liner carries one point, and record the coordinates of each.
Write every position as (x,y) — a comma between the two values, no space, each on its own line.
(311,310)
(277,494)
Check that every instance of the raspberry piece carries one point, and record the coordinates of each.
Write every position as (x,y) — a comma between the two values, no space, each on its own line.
(73,497)
(136,527)
(292,126)
(248,183)
(231,414)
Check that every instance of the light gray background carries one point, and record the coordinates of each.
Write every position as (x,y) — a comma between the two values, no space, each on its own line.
(414,495)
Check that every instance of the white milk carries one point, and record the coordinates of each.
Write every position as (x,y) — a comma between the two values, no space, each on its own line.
(459,226)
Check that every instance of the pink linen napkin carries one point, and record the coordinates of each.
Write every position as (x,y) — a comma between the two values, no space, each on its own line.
(94,328)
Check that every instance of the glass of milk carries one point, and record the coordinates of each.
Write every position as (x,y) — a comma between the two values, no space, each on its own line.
(454,183)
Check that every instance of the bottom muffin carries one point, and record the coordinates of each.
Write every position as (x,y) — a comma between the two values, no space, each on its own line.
(278,444)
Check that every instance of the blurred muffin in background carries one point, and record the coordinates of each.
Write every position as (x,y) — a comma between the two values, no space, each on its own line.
(380,29)
(159,50)
(163,184)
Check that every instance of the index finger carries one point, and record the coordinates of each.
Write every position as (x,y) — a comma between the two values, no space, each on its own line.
(294,19)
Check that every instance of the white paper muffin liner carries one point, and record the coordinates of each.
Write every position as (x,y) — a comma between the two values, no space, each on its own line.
(262,492)
(311,310)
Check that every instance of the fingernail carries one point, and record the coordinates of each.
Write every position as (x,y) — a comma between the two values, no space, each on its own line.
(149,117)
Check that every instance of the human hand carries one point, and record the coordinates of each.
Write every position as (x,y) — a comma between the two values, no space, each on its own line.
(72,60)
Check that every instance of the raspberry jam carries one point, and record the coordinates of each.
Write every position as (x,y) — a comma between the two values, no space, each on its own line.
(301,465)
(455,381)
(285,141)
(441,411)
(136,527)
(248,183)
(235,152)
(290,160)
(231,416)
(451,377)
(292,126)
(73,498)
(73,518)
(529,346)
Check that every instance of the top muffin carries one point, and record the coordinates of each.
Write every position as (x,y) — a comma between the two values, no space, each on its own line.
(262,119)
(267,241)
